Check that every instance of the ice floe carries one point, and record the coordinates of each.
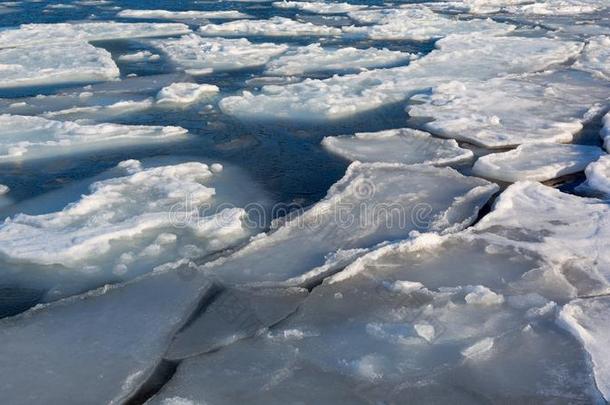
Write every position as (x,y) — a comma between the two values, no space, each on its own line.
(26,137)
(185,93)
(314,58)
(182,15)
(405,145)
(319,7)
(598,175)
(219,54)
(596,57)
(141,56)
(273,27)
(558,7)
(537,162)
(54,64)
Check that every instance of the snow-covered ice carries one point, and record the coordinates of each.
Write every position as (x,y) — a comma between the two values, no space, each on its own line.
(219,54)
(76,62)
(319,7)
(405,145)
(595,57)
(315,58)
(536,161)
(186,93)
(273,27)
(182,15)
(598,175)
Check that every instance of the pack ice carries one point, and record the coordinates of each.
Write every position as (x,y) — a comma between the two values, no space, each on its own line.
(319,7)
(182,15)
(598,176)
(404,145)
(273,27)
(596,57)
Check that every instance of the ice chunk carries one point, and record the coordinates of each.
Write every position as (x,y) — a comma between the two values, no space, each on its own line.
(589,321)
(100,346)
(4,189)
(605,132)
(405,145)
(319,7)
(536,161)
(185,93)
(76,62)
(558,7)
(273,27)
(314,58)
(39,34)
(182,15)
(34,137)
(598,175)
(595,57)
(418,23)
(193,52)
(141,56)
(502,112)
(373,203)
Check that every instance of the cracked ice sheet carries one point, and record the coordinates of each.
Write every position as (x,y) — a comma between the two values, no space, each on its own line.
(76,62)
(24,138)
(314,58)
(319,7)
(504,112)
(378,336)
(182,15)
(418,23)
(589,321)
(273,27)
(596,57)
(536,162)
(475,57)
(371,204)
(192,52)
(405,145)
(39,34)
(121,333)
(134,219)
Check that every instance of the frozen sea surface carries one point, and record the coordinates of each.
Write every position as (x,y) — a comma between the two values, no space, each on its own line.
(304,202)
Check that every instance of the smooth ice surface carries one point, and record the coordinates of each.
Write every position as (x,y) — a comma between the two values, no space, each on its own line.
(373,203)
(319,7)
(76,62)
(315,58)
(219,54)
(181,15)
(405,145)
(273,27)
(536,162)
(589,320)
(476,56)
(502,112)
(38,34)
(97,347)
(186,93)
(35,137)
(596,57)
(417,23)
(598,175)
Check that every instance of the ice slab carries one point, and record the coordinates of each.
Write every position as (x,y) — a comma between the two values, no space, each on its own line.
(98,347)
(26,138)
(319,7)
(38,65)
(183,15)
(536,162)
(595,57)
(373,203)
(273,27)
(588,320)
(39,34)
(194,52)
(100,112)
(141,56)
(404,145)
(598,175)
(314,58)
(418,23)
(558,7)
(503,112)
(185,93)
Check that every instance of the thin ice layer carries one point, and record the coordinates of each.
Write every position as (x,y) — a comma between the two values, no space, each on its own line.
(195,52)
(319,7)
(404,145)
(503,112)
(476,56)
(373,203)
(314,58)
(598,175)
(418,23)
(595,57)
(273,27)
(186,93)
(536,162)
(39,34)
(54,64)
(589,321)
(97,347)
(182,15)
